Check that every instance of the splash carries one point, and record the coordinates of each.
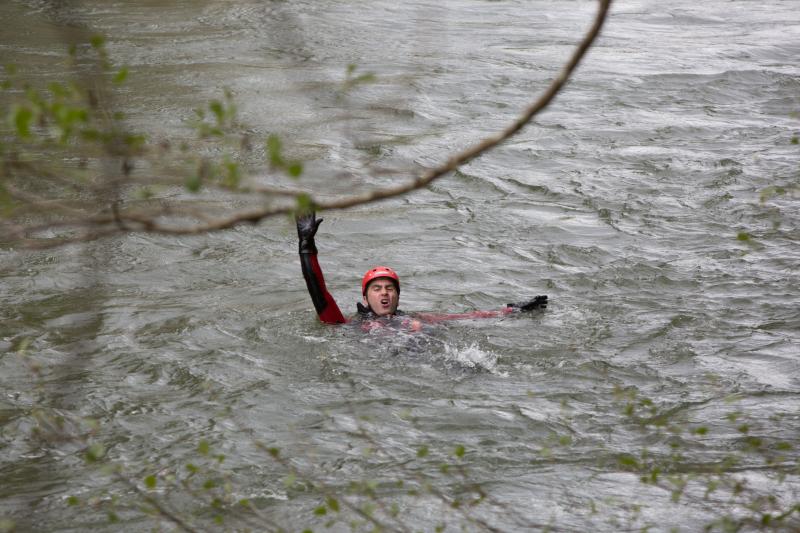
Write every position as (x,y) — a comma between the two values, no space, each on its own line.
(472,357)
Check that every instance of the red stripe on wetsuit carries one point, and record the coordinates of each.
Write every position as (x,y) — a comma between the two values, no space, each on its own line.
(324,303)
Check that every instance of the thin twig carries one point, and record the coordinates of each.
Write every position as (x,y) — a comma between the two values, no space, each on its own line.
(324,489)
(163,511)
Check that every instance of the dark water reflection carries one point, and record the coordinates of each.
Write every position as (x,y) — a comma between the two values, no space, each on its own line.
(623,203)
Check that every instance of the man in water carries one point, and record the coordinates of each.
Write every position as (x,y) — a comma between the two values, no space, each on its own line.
(380,289)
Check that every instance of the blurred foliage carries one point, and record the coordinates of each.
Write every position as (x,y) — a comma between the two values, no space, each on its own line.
(669,447)
(718,482)
(72,169)
(774,199)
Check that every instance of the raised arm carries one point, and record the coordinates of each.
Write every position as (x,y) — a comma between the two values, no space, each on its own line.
(540,302)
(328,311)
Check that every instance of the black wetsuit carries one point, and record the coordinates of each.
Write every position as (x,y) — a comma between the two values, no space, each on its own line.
(329,311)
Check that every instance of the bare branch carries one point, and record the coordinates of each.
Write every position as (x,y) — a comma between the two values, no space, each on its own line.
(161,509)
(490,142)
(147,222)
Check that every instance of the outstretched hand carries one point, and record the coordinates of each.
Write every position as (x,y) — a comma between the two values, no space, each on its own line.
(307,226)
(540,302)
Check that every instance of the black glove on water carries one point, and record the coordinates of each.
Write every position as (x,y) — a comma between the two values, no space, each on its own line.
(307,226)
(540,302)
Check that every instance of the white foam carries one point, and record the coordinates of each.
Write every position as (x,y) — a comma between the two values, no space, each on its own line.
(472,356)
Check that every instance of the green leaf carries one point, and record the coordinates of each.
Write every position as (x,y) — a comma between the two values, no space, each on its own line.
(112,517)
(754,442)
(216,107)
(274,147)
(771,191)
(193,183)
(321,510)
(364,78)
(203,447)
(628,461)
(73,500)
(97,41)
(23,116)
(121,75)
(422,452)
(459,451)
(58,90)
(795,140)
(145,193)
(191,468)
(274,452)
(209,484)
(233,176)
(295,169)
(333,504)
(743,236)
(95,452)
(304,203)
(135,141)
(150,481)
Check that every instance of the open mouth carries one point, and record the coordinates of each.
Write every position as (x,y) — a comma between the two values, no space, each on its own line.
(385,302)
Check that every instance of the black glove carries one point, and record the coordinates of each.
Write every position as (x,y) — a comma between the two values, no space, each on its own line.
(540,302)
(307,226)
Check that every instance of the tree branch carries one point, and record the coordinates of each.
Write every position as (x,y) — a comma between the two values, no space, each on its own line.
(117,223)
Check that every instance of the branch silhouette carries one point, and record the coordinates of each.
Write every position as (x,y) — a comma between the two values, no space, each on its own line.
(115,219)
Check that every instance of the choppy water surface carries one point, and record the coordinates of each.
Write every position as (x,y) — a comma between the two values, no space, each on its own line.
(623,202)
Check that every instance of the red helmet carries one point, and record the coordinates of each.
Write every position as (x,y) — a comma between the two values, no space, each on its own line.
(379,272)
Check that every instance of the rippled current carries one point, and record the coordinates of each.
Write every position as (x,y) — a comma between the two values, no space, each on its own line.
(669,351)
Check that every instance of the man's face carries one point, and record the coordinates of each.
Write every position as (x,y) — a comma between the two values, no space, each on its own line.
(382,297)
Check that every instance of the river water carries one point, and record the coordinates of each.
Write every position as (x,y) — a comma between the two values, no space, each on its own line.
(669,351)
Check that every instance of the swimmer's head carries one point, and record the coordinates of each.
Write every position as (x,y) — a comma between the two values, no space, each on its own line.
(380,287)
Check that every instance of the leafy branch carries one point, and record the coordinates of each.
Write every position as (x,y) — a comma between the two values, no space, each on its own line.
(181,216)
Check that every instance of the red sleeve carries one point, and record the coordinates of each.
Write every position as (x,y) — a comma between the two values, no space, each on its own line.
(324,303)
